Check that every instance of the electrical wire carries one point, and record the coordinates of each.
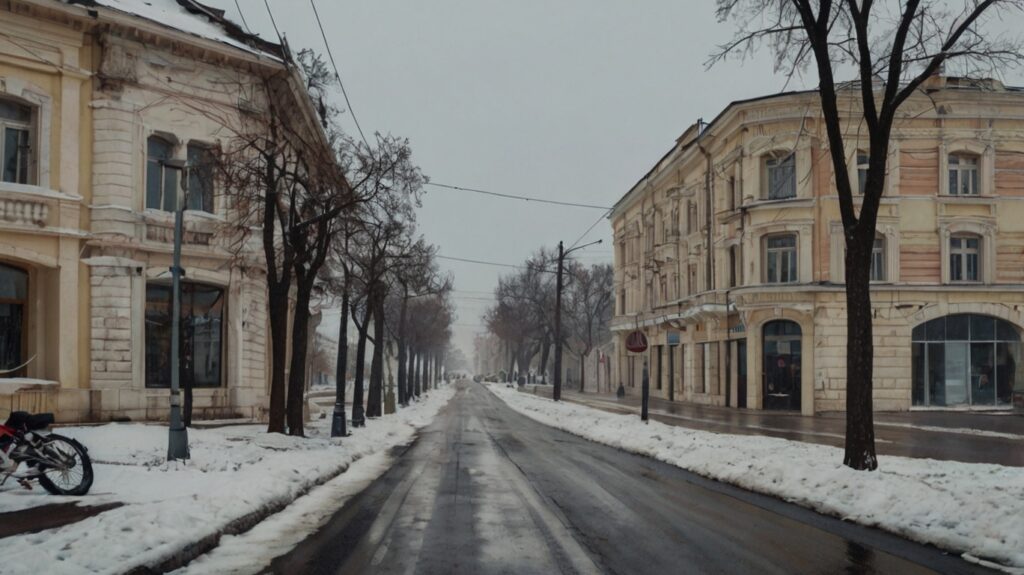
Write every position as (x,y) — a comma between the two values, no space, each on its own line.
(274,22)
(592,226)
(486,263)
(242,15)
(515,197)
(337,75)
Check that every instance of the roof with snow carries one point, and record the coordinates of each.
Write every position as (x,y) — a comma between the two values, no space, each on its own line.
(191,17)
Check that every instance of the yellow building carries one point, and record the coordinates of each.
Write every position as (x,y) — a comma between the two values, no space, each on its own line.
(97,100)
(729,256)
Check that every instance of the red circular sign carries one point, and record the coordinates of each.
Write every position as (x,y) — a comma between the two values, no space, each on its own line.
(636,342)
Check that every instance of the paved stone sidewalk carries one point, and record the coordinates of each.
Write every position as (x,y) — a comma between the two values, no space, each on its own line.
(971,437)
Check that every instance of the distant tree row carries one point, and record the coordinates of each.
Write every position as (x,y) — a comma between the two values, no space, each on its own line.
(335,221)
(523,315)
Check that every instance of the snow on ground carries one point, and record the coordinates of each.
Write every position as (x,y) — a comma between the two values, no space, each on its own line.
(234,471)
(253,550)
(973,509)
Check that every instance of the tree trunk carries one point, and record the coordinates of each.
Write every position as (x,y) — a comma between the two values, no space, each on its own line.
(860,429)
(410,373)
(419,373)
(297,369)
(341,367)
(376,396)
(583,372)
(403,389)
(358,412)
(426,372)
(511,364)
(545,352)
(277,308)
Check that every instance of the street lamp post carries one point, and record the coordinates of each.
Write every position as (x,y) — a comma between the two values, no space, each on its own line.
(562,253)
(177,441)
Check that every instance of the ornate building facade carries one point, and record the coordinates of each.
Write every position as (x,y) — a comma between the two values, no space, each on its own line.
(729,256)
(105,107)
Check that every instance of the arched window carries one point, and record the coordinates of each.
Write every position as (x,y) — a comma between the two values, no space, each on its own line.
(15,142)
(963,175)
(13,300)
(161,180)
(780,176)
(965,359)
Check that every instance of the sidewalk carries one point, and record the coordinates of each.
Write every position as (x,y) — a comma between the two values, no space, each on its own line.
(145,514)
(970,437)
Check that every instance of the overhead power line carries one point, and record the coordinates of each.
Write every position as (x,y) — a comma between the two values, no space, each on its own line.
(592,226)
(516,197)
(337,75)
(486,263)
(242,15)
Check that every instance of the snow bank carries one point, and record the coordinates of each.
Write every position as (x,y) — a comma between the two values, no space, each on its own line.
(234,472)
(973,509)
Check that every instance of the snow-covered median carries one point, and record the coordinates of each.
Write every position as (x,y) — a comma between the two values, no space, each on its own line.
(235,472)
(972,509)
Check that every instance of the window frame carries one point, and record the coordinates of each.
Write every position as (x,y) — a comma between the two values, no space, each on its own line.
(768,251)
(24,172)
(961,163)
(878,249)
(775,161)
(26,310)
(204,154)
(188,288)
(863,160)
(164,172)
(962,253)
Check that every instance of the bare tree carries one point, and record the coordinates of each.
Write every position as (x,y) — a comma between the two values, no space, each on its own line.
(588,310)
(893,48)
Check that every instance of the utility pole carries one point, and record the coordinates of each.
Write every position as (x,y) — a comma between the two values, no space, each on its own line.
(177,440)
(557,392)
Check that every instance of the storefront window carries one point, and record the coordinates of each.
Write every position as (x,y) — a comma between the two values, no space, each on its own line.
(13,296)
(202,315)
(965,359)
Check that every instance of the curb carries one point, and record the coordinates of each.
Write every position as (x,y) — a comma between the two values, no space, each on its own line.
(237,526)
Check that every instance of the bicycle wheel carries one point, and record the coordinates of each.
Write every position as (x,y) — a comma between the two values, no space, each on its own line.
(71,471)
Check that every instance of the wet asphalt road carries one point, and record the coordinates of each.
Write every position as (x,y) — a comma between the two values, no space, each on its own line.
(486,490)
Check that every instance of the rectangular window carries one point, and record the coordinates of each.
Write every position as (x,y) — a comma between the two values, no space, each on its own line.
(161,180)
(963,175)
(15,142)
(780,174)
(732,193)
(780,259)
(963,259)
(705,368)
(878,261)
(691,217)
(862,172)
(733,264)
(200,178)
(201,335)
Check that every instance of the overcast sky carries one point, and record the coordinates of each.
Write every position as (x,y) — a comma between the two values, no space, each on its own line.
(571,100)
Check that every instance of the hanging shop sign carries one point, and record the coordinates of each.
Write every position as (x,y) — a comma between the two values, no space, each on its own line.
(636,342)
